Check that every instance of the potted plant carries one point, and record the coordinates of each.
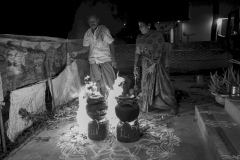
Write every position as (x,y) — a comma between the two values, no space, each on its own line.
(220,84)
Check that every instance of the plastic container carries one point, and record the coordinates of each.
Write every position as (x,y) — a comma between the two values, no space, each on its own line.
(199,79)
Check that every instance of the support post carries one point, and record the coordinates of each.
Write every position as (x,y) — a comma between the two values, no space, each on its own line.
(2,130)
(51,85)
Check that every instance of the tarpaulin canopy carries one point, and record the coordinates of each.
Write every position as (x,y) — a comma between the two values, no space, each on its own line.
(24,59)
(26,63)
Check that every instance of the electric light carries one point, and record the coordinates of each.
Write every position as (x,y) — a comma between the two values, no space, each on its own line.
(219,21)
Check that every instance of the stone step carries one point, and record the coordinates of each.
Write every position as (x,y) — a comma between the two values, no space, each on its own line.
(220,131)
(232,107)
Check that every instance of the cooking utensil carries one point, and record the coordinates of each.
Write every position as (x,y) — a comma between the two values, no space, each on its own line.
(234,90)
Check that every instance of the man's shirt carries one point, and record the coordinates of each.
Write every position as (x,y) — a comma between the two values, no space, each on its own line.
(99,44)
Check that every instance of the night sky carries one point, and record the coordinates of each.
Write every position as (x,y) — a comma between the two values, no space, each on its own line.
(38,18)
(45,18)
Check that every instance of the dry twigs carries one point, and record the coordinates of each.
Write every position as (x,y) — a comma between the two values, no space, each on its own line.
(45,120)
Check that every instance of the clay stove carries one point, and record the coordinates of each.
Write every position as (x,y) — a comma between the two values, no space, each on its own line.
(127,111)
(96,108)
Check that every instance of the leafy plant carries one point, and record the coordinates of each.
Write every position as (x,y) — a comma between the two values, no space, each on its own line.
(220,83)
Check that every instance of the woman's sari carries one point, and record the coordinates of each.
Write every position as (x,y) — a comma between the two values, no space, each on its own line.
(157,90)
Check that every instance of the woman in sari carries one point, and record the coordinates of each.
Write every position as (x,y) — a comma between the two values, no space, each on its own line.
(156,86)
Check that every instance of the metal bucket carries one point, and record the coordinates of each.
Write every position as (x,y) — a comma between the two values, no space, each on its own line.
(234,90)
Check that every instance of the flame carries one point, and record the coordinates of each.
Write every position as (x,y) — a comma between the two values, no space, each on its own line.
(90,88)
(112,102)
(82,118)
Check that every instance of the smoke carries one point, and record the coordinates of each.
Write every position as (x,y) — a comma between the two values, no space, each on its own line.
(107,13)
(80,25)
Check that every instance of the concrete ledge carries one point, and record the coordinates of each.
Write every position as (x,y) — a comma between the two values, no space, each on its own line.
(219,130)
(233,109)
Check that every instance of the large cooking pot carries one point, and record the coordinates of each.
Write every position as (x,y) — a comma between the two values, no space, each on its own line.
(94,99)
(96,107)
(127,109)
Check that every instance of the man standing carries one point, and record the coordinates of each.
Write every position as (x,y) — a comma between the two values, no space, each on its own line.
(99,42)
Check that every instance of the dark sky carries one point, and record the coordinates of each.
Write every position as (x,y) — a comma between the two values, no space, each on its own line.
(40,18)
(46,18)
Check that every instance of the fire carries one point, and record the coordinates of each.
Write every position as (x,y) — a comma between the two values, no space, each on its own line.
(112,102)
(82,118)
(90,88)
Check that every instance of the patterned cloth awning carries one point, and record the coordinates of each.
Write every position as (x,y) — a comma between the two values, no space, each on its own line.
(26,60)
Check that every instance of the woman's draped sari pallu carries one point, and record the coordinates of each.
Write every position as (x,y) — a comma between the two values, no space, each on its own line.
(157,90)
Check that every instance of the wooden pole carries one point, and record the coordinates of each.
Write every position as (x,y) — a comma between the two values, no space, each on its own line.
(50,84)
(68,58)
(215,8)
(2,130)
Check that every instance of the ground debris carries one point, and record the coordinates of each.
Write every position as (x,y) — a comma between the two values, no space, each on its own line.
(42,138)
(45,120)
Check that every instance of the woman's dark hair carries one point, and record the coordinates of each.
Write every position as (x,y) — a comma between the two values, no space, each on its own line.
(145,20)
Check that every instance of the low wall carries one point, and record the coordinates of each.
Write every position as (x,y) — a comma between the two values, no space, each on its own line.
(125,57)
(23,59)
(184,58)
(191,57)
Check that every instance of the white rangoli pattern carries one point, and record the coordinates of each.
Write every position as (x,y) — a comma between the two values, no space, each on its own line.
(157,143)
(228,157)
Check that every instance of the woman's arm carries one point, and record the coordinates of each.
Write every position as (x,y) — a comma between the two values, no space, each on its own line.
(136,60)
(135,69)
